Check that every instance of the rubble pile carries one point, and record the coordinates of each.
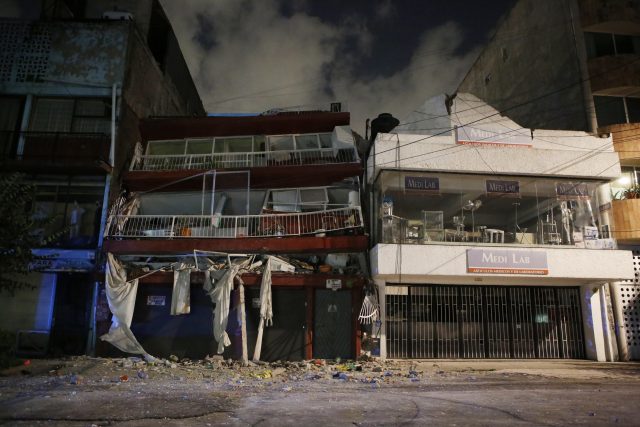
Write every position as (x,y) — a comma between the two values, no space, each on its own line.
(230,373)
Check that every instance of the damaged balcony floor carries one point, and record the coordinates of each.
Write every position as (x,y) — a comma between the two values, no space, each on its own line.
(128,392)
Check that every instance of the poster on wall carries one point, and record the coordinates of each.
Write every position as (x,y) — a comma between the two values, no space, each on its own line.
(423,184)
(572,191)
(503,188)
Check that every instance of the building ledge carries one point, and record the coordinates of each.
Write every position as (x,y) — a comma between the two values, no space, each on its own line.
(259,177)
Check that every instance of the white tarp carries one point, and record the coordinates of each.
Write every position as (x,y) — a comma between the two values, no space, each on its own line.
(121,296)
(181,297)
(266,304)
(220,294)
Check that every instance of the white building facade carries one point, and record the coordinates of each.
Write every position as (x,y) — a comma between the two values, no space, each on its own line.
(491,240)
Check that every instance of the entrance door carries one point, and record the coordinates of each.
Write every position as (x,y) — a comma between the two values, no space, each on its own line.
(483,322)
(332,324)
(72,310)
(284,340)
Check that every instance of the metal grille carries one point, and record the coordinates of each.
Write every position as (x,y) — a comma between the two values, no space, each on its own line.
(483,322)
(627,298)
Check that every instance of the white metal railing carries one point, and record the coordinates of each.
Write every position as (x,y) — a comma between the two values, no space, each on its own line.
(156,162)
(238,226)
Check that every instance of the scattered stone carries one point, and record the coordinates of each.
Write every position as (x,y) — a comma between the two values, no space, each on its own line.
(143,375)
(75,379)
(124,378)
(173,358)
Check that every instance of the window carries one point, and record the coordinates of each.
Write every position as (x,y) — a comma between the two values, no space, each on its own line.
(485,208)
(607,44)
(199,146)
(75,207)
(166,148)
(609,110)
(612,110)
(298,200)
(633,109)
(10,113)
(300,142)
(242,144)
(89,115)
(279,143)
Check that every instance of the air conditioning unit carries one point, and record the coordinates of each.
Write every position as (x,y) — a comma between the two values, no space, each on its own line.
(117,15)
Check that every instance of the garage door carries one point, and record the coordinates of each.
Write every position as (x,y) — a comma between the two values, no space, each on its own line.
(483,322)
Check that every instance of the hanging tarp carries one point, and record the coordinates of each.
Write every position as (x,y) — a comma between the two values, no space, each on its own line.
(181,297)
(121,296)
(220,294)
(266,303)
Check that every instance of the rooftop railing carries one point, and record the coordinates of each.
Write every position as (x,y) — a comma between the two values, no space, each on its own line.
(234,226)
(150,162)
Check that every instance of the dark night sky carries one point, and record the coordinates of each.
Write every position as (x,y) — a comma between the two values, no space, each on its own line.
(373,55)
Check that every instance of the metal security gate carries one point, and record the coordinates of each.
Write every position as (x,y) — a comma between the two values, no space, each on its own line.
(483,322)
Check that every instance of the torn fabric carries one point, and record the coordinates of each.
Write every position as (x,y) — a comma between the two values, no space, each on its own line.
(220,295)
(266,303)
(181,296)
(121,296)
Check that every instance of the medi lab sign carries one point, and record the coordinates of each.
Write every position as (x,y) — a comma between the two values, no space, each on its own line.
(507,261)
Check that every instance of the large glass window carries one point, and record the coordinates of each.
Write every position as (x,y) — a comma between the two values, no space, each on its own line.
(421,207)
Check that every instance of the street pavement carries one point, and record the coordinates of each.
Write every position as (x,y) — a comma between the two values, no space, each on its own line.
(87,391)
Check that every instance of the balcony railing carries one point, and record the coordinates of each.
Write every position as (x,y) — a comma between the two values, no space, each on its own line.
(245,160)
(54,148)
(235,226)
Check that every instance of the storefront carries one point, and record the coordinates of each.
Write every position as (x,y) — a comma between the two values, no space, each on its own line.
(522,322)
(474,301)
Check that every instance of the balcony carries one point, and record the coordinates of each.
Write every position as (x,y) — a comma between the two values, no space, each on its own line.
(55,151)
(327,230)
(324,156)
(626,142)
(234,226)
(626,220)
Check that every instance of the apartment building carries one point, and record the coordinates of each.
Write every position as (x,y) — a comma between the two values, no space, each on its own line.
(75,79)
(262,215)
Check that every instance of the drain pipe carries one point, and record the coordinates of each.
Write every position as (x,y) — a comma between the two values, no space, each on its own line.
(91,338)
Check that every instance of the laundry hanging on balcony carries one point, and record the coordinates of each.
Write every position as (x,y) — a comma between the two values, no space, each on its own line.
(121,296)
(181,296)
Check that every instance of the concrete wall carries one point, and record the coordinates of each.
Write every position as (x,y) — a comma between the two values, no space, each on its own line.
(588,157)
(447,263)
(532,54)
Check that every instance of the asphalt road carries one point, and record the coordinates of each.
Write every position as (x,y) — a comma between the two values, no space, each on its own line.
(90,392)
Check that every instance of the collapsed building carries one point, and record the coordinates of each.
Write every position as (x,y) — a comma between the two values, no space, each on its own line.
(238,235)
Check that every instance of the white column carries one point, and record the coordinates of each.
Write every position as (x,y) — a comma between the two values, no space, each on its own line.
(383,318)
(594,334)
